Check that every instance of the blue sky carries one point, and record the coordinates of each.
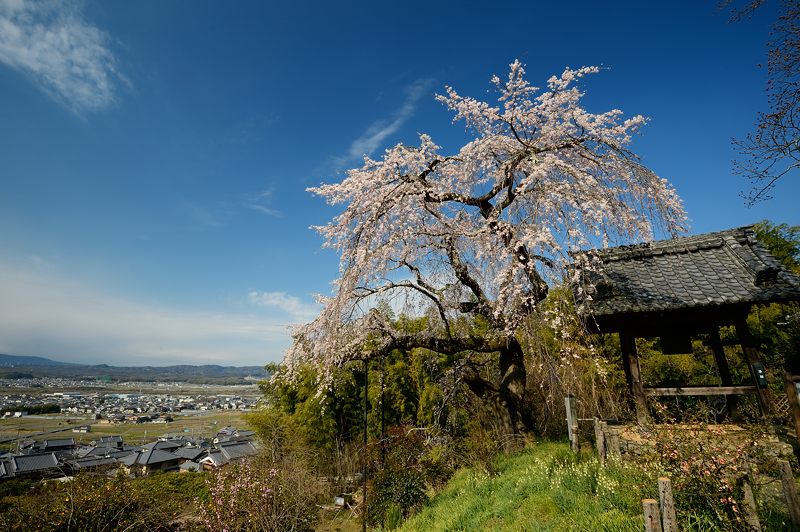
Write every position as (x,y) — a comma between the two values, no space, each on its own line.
(154,156)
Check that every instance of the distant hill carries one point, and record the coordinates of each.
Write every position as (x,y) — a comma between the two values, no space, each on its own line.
(27,366)
(13,361)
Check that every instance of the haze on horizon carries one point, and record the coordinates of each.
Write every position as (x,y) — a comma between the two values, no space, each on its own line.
(155,155)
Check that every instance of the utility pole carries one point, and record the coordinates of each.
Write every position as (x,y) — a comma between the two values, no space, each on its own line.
(383,377)
(364,467)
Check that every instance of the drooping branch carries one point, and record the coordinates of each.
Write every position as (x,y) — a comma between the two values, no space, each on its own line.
(420,287)
(492,223)
(445,346)
(482,305)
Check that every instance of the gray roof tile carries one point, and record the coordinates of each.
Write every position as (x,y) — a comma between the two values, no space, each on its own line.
(149,457)
(94,462)
(232,451)
(34,462)
(724,268)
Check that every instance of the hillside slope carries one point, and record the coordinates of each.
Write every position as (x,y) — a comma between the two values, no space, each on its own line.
(541,488)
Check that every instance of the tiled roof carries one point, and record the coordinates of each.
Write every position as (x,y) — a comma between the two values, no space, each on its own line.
(714,269)
(215,458)
(165,445)
(190,453)
(121,453)
(152,457)
(190,466)
(34,462)
(60,442)
(238,450)
(94,462)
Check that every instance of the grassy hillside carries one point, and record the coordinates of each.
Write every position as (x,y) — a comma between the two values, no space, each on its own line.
(542,488)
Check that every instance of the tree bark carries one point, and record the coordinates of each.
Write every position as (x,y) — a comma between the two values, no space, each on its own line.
(513,376)
(512,386)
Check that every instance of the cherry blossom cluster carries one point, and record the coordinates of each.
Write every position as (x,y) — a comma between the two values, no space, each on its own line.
(486,230)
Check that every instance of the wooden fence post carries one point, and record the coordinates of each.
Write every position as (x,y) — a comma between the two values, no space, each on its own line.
(794,404)
(790,491)
(652,519)
(749,508)
(613,444)
(668,516)
(572,421)
(600,440)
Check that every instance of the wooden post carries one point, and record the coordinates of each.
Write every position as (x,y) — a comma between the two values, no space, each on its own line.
(364,473)
(751,355)
(572,421)
(668,516)
(652,519)
(630,360)
(600,440)
(790,492)
(724,370)
(794,404)
(613,444)
(749,508)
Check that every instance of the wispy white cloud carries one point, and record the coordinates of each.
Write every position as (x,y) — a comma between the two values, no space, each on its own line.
(297,310)
(39,263)
(66,56)
(43,313)
(376,134)
(262,203)
(201,214)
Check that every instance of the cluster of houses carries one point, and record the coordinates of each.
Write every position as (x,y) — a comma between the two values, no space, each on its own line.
(63,457)
(125,407)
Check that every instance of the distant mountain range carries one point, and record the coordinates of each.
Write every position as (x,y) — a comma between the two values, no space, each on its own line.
(18,367)
(12,361)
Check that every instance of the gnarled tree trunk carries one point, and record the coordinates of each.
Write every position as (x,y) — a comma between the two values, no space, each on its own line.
(510,394)
(512,386)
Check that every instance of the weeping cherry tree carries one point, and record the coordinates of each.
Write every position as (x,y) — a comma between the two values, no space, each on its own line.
(481,234)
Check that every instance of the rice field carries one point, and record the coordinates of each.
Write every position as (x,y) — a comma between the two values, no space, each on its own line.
(202,424)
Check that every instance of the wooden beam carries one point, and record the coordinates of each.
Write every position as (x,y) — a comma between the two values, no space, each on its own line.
(700,390)
(600,440)
(790,492)
(751,355)
(652,517)
(723,369)
(668,517)
(572,421)
(630,359)
(794,404)
(690,321)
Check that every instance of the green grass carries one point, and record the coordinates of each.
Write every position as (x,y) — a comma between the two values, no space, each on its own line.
(546,488)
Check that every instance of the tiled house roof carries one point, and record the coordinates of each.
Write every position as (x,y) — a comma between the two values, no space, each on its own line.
(149,458)
(233,451)
(190,466)
(214,458)
(163,445)
(714,269)
(33,462)
(94,462)
(189,453)
(59,443)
